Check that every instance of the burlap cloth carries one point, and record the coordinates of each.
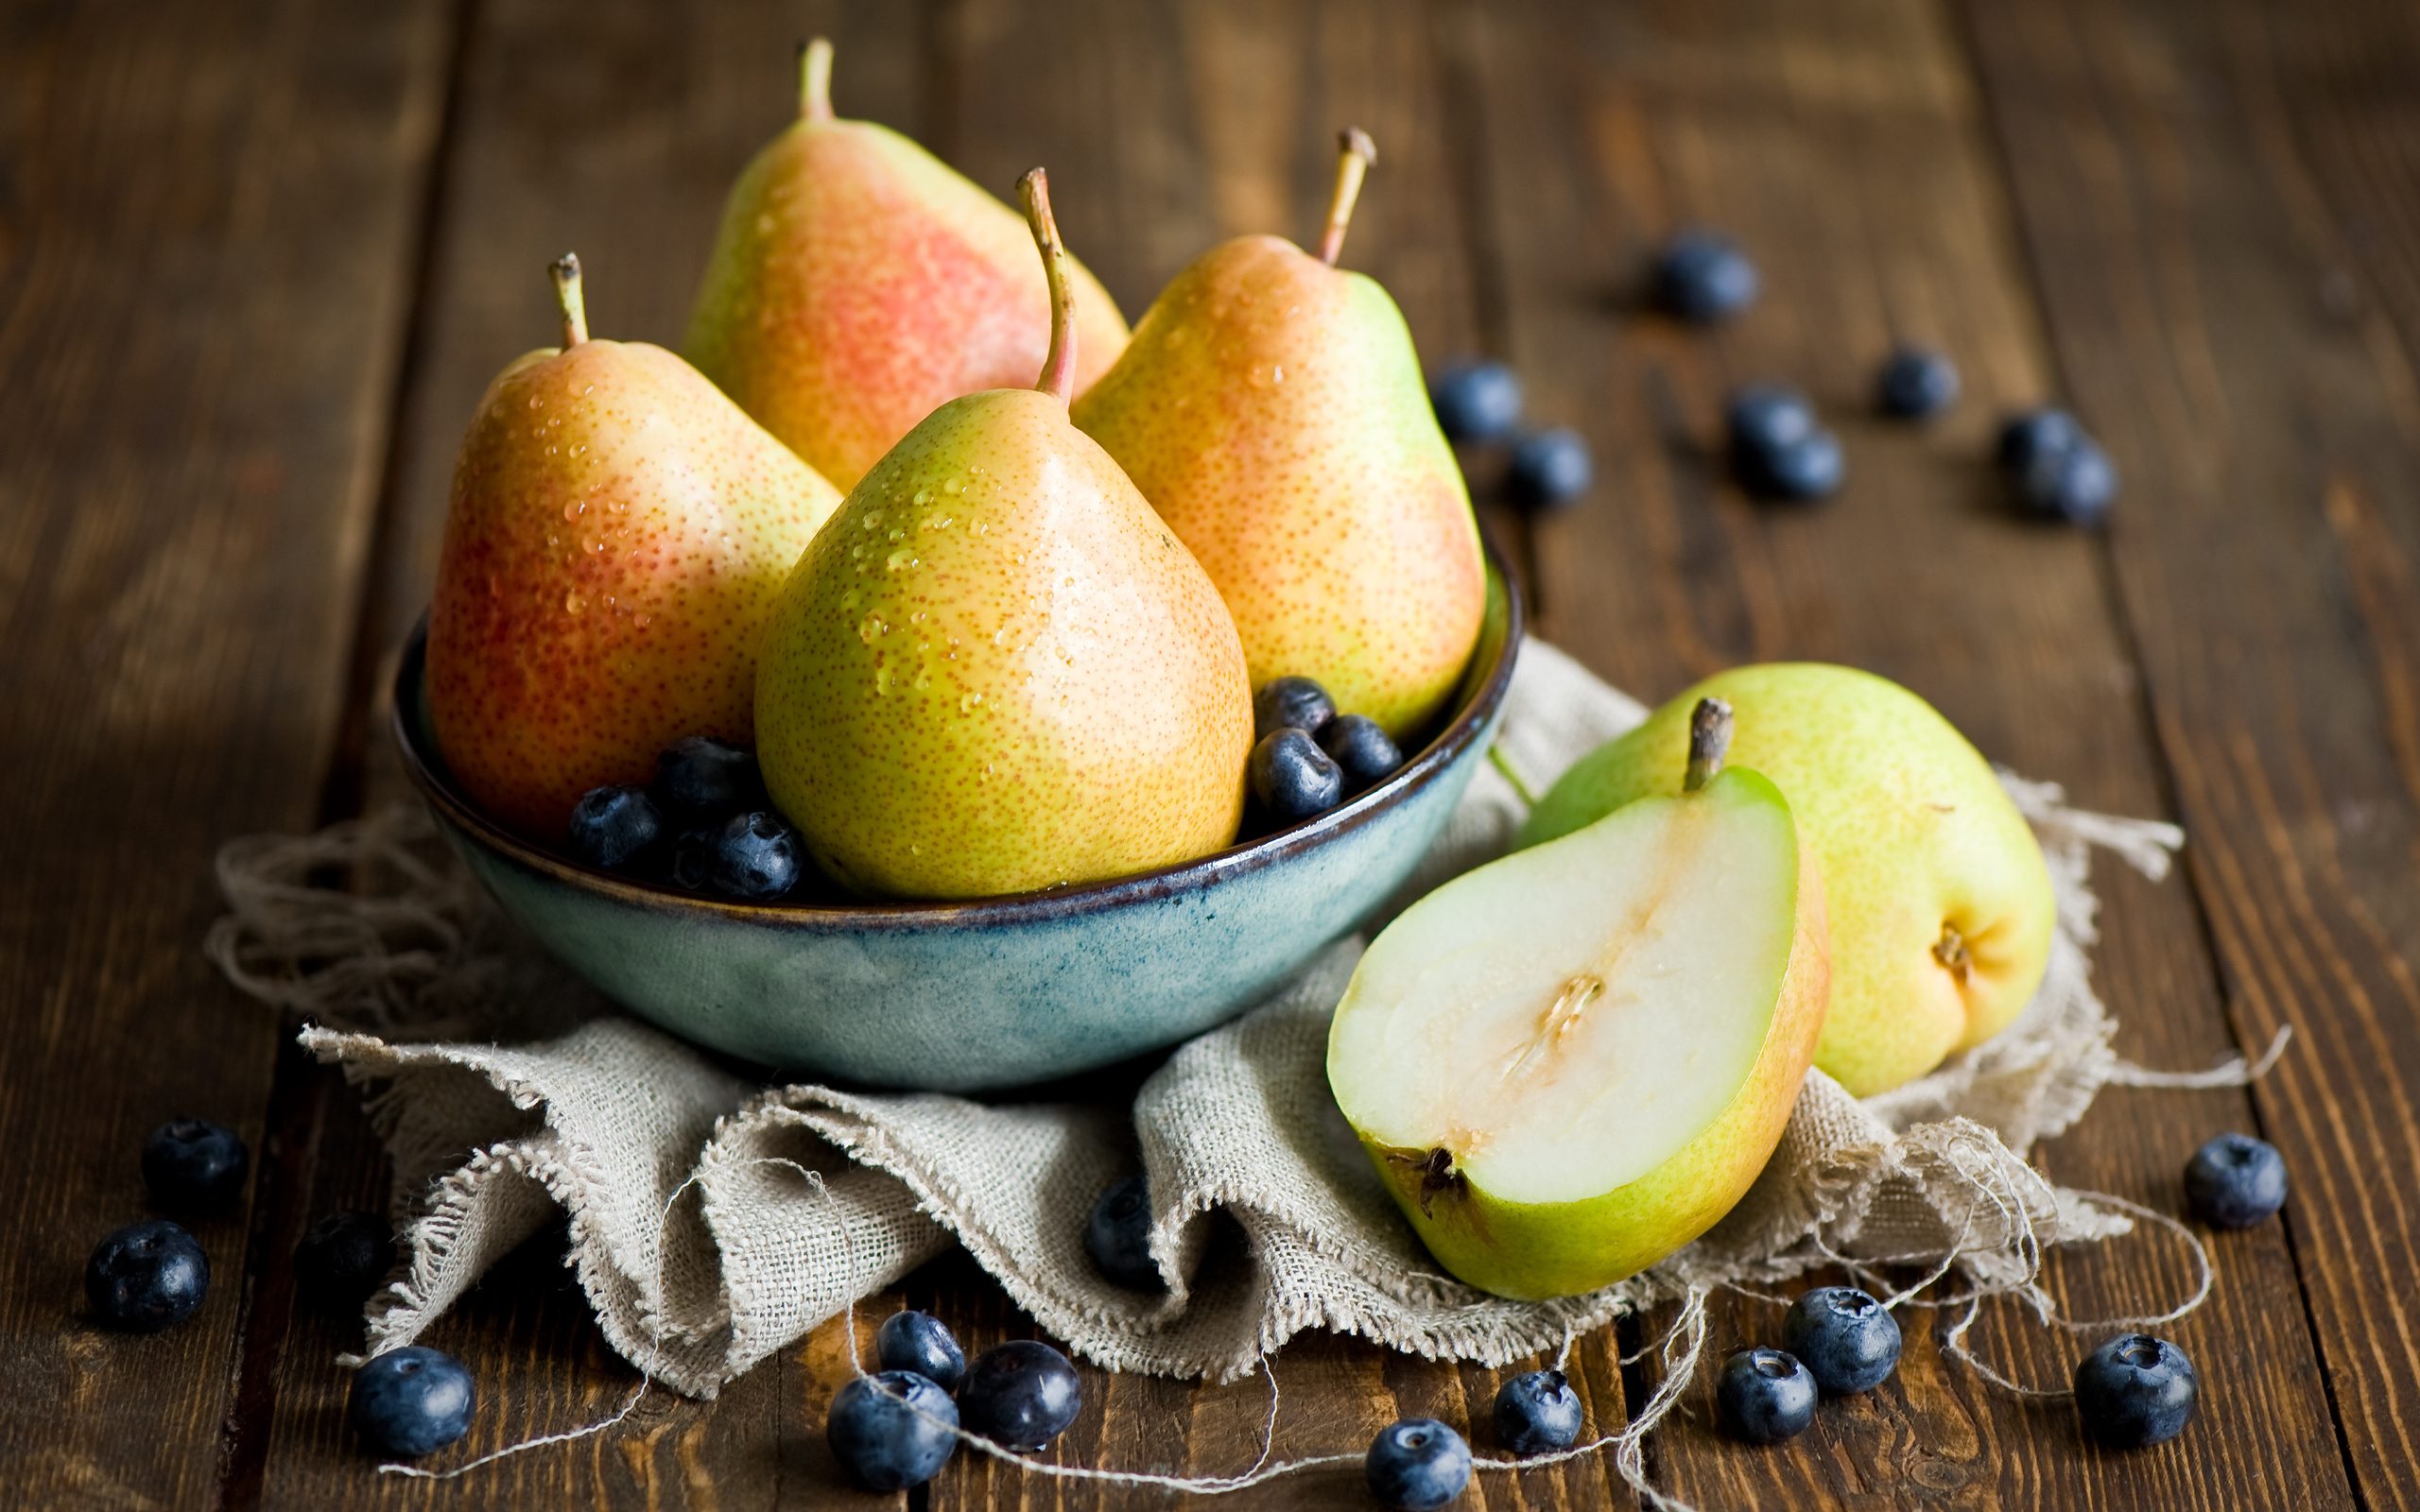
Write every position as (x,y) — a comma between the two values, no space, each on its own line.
(713,1219)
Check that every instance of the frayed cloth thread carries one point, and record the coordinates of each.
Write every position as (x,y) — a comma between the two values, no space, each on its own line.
(1267,1217)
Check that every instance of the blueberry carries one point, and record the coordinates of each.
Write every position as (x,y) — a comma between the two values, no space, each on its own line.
(609,825)
(921,1343)
(884,1428)
(1290,703)
(1292,777)
(1808,469)
(1763,418)
(1550,469)
(193,1165)
(412,1402)
(1477,401)
(2136,1391)
(755,857)
(1918,383)
(1537,1413)
(1848,1341)
(1020,1395)
(1703,276)
(1417,1464)
(1119,1236)
(146,1277)
(2074,484)
(342,1258)
(2235,1181)
(1766,1396)
(2033,433)
(702,778)
(1358,746)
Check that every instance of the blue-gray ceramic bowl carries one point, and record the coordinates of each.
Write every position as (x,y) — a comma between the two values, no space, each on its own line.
(1001,991)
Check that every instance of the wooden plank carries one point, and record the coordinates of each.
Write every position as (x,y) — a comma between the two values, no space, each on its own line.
(200,303)
(614,130)
(2220,200)
(1164,130)
(1332,1394)
(1847,147)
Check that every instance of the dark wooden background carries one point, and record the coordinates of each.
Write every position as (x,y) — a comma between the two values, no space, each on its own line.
(258,258)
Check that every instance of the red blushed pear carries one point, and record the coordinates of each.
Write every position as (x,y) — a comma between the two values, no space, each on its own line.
(998,670)
(858,283)
(618,533)
(1271,407)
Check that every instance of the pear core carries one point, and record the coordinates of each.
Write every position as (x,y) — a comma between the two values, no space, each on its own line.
(1565,1021)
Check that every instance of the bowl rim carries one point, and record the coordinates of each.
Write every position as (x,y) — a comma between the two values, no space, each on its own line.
(436,785)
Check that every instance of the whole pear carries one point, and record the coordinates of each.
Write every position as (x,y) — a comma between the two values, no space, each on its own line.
(1272,408)
(1571,1061)
(1941,903)
(998,670)
(616,534)
(857,283)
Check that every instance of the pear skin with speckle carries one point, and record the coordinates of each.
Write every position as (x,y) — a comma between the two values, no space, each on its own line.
(857,283)
(998,670)
(1271,407)
(617,532)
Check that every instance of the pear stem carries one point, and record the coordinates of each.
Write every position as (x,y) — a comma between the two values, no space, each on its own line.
(1059,368)
(565,271)
(815,80)
(1359,156)
(1709,742)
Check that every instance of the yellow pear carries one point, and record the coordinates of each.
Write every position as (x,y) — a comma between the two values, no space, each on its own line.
(1272,409)
(998,670)
(1941,904)
(1572,1061)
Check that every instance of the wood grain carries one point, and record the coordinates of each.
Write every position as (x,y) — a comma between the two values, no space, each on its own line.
(202,225)
(2220,200)
(614,130)
(1847,149)
(257,263)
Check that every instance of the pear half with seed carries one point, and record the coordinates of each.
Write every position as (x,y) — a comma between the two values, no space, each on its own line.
(1570,1063)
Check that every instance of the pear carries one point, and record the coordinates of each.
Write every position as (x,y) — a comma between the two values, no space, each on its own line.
(1573,1060)
(616,534)
(1272,409)
(998,670)
(857,283)
(1941,904)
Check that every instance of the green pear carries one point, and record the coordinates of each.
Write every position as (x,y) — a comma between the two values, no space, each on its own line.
(1272,409)
(998,670)
(1941,904)
(616,534)
(1570,1063)
(857,283)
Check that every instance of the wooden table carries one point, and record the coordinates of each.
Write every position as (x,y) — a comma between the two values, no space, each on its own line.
(258,259)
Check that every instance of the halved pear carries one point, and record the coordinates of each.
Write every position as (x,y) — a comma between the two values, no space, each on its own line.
(1570,1063)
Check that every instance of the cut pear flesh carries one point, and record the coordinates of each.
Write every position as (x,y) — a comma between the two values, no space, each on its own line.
(1599,1038)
